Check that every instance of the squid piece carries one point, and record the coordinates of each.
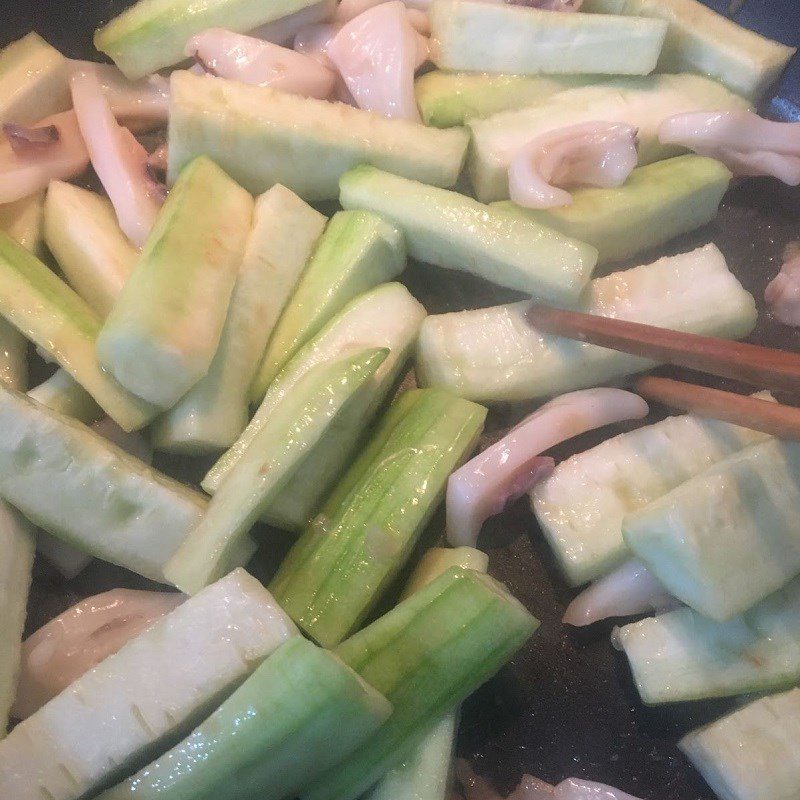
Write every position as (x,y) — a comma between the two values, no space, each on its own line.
(283,30)
(530,788)
(80,638)
(417,13)
(31,157)
(143,103)
(377,54)
(313,41)
(631,589)
(747,144)
(118,159)
(509,468)
(783,291)
(244,58)
(590,154)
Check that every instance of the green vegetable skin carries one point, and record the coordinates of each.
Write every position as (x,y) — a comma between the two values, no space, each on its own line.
(22,221)
(33,81)
(215,410)
(737,518)
(479,37)
(425,772)
(262,137)
(581,506)
(62,394)
(78,486)
(164,328)
(642,102)
(494,354)
(153,34)
(700,40)
(683,655)
(357,252)
(273,457)
(451,230)
(751,754)
(448,99)
(115,718)
(48,312)
(425,656)
(387,316)
(298,714)
(17,547)
(657,203)
(81,231)
(347,557)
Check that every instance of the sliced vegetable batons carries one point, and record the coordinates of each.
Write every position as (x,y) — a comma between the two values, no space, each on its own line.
(116,717)
(655,204)
(495,355)
(752,753)
(703,41)
(518,40)
(581,506)
(729,536)
(299,713)
(261,137)
(683,655)
(17,548)
(642,102)
(385,317)
(153,34)
(33,81)
(78,486)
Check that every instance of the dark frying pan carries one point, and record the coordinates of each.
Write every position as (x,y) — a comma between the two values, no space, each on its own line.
(566,705)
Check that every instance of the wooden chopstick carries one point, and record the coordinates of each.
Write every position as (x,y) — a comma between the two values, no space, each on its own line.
(749,412)
(758,366)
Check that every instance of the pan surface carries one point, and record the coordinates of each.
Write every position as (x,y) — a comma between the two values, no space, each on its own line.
(566,706)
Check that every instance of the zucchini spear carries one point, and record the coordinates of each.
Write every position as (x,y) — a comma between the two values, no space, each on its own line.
(215,410)
(425,772)
(298,714)
(115,718)
(23,221)
(683,655)
(425,656)
(17,547)
(290,434)
(386,317)
(78,486)
(349,555)
(703,41)
(81,231)
(165,326)
(726,538)
(448,99)
(752,753)
(34,81)
(655,204)
(262,136)
(357,252)
(495,355)
(508,39)
(152,34)
(581,506)
(450,230)
(55,318)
